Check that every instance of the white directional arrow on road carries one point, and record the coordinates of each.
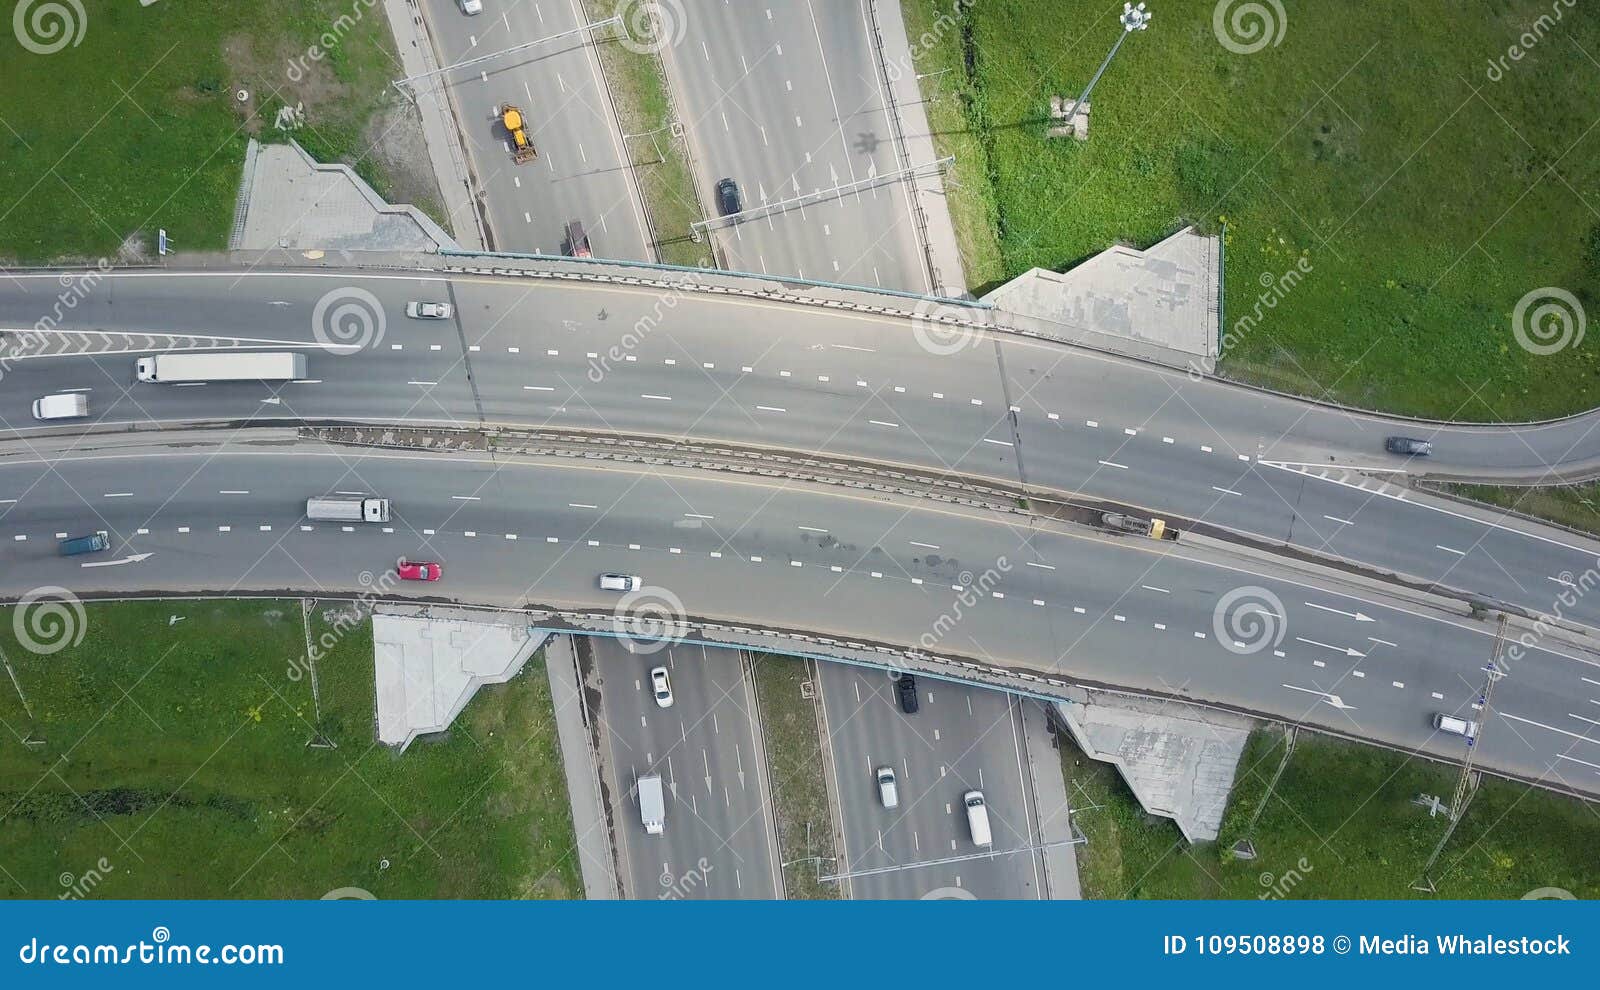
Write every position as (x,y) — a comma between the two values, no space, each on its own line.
(1347,651)
(1331,699)
(131,559)
(1358,616)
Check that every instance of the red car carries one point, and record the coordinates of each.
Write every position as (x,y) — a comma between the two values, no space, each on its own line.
(418,570)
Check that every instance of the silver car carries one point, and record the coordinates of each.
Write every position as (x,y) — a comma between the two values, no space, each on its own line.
(428,310)
(620,582)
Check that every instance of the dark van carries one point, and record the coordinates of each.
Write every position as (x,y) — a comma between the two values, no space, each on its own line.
(84,544)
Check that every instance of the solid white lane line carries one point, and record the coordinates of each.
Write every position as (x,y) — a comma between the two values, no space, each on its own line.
(698,515)
(1441,546)
(233,491)
(1574,759)
(930,546)
(1564,732)
(1111,464)
(659,398)
(1000,443)
(1225,491)
(1044,567)
(467,498)
(538,388)
(879,422)
(777,409)
(581,505)
(1151,587)
(117,495)
(813,529)
(1342,522)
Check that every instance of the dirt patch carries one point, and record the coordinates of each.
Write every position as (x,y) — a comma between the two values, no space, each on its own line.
(394,142)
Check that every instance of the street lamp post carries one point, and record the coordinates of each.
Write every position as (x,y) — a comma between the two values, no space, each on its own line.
(1134,18)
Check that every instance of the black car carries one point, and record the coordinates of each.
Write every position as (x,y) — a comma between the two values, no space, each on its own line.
(728,199)
(1408,446)
(906,688)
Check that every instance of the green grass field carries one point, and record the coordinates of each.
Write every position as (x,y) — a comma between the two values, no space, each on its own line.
(1577,506)
(1427,197)
(799,790)
(138,127)
(177,754)
(1339,824)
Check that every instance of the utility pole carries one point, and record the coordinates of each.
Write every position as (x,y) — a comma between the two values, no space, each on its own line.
(1132,19)
(1464,788)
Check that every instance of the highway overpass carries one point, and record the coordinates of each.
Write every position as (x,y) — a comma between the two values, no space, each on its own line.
(853,384)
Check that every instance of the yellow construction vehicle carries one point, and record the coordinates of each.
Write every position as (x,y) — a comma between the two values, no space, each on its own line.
(516,125)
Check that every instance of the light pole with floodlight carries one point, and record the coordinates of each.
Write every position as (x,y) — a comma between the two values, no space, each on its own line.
(1134,18)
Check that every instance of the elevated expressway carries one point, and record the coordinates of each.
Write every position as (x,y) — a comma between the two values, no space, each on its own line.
(1057,422)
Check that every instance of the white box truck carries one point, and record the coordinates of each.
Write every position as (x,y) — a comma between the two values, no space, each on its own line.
(348,508)
(652,805)
(234,366)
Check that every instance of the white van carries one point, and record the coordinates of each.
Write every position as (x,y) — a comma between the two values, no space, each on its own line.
(1456,726)
(978,818)
(67,405)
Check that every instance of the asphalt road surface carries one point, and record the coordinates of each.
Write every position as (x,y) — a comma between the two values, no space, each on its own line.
(582,169)
(961,739)
(787,99)
(719,842)
(637,361)
(1001,589)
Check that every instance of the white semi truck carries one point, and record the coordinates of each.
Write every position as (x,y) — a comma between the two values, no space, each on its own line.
(231,366)
(652,805)
(348,508)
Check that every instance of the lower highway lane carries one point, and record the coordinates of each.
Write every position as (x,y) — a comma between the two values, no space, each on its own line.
(1000,589)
